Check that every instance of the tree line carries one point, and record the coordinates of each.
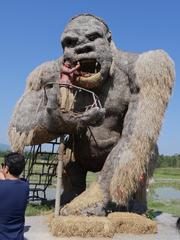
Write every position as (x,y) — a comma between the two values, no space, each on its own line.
(168,161)
(162,162)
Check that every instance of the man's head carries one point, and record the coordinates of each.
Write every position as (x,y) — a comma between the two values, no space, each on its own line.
(14,164)
(87,39)
(67,63)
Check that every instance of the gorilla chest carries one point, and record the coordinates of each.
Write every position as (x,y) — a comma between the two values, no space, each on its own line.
(92,148)
(115,94)
(99,140)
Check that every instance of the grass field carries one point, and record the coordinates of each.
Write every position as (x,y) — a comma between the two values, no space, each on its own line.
(39,209)
(172,207)
(165,177)
(167,173)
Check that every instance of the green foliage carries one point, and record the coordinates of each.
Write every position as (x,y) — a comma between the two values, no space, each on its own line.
(3,153)
(163,161)
(168,161)
(151,213)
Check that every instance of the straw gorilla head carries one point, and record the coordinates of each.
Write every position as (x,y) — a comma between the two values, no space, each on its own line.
(87,39)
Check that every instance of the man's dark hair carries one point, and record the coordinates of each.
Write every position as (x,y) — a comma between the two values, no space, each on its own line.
(15,162)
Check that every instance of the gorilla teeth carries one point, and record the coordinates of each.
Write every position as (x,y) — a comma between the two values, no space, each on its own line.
(98,67)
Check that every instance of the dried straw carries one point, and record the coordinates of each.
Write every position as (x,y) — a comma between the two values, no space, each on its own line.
(81,226)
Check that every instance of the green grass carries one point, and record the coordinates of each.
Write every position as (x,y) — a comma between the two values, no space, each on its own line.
(39,209)
(167,173)
(174,184)
(172,207)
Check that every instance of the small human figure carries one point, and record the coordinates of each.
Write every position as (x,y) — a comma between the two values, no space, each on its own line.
(178,224)
(67,77)
(13,197)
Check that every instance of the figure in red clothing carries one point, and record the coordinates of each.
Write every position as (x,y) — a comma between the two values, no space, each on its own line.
(67,77)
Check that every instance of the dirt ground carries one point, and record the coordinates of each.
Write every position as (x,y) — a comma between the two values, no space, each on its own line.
(36,228)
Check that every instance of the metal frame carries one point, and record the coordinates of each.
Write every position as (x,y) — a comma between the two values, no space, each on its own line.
(96,101)
(40,170)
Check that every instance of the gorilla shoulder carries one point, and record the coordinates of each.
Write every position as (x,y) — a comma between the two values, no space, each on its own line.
(44,73)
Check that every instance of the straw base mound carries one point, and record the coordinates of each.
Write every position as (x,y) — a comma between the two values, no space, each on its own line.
(82,226)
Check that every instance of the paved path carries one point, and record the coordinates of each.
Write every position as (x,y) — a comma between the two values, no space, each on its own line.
(37,228)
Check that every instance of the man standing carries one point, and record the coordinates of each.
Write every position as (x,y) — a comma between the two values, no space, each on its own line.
(13,198)
(67,77)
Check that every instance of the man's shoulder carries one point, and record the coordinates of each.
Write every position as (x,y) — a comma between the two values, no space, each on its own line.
(24,182)
(14,182)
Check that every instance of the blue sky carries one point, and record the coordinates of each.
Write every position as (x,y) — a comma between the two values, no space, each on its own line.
(30,34)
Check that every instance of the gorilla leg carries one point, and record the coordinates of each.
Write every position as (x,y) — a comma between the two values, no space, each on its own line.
(94,199)
(74,181)
(91,201)
(140,198)
(139,202)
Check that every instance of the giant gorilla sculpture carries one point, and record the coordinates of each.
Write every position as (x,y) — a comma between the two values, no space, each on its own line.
(134,90)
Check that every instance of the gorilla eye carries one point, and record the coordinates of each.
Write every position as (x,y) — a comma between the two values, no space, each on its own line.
(69,42)
(94,36)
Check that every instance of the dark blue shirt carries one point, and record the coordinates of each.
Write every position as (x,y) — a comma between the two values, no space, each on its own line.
(13,202)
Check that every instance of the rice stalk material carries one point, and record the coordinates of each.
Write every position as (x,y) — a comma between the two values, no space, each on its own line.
(154,76)
(81,226)
(115,223)
(39,135)
(132,223)
(35,136)
(88,198)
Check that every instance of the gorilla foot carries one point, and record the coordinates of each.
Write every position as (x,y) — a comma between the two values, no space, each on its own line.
(95,210)
(90,202)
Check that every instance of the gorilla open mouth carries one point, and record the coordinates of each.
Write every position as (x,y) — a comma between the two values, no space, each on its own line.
(90,76)
(89,66)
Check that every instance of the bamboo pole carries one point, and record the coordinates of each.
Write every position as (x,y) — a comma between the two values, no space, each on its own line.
(59,177)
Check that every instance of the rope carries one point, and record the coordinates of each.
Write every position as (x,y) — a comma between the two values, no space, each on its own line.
(94,140)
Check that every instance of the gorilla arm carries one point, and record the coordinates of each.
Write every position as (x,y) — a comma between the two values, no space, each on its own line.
(37,118)
(24,126)
(154,73)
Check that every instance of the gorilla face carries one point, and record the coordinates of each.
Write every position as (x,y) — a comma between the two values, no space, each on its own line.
(87,40)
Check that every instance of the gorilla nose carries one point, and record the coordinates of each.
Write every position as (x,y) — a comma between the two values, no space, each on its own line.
(84,49)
